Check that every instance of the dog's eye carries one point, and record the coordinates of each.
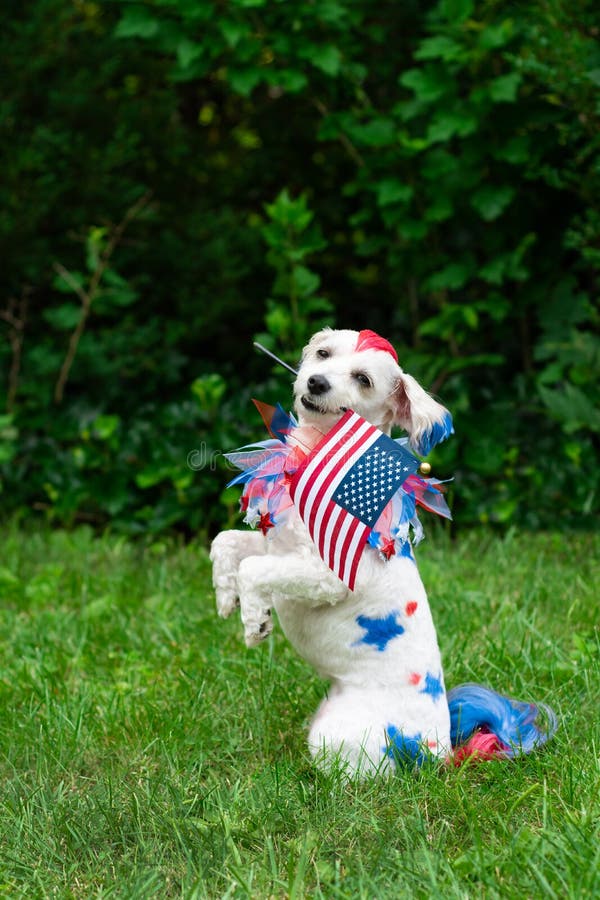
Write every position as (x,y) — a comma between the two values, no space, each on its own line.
(323,354)
(363,379)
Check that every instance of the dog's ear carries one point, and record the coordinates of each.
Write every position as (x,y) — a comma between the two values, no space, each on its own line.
(425,420)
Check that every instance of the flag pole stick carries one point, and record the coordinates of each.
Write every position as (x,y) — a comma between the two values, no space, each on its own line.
(276,358)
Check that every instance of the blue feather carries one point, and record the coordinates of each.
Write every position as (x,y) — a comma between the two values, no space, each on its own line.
(282,423)
(438,432)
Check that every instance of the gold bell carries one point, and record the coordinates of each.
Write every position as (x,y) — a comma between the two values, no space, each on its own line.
(424,468)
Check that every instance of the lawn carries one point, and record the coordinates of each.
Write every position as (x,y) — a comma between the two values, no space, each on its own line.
(145,752)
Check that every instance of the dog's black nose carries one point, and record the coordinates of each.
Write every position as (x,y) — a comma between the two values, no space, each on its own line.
(318,384)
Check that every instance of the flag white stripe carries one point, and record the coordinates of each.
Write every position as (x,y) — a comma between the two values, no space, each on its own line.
(338,534)
(325,468)
(339,544)
(301,484)
(337,514)
(339,476)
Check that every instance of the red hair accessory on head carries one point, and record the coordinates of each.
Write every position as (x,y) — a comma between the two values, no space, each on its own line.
(370,340)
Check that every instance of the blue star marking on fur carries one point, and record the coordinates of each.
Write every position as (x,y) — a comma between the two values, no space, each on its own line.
(379,631)
(433,686)
(403,747)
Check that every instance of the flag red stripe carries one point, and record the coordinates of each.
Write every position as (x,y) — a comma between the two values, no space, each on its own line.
(316,474)
(297,486)
(345,461)
(339,536)
(356,558)
(346,545)
(340,543)
(330,542)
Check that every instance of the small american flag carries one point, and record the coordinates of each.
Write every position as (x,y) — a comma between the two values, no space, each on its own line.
(342,488)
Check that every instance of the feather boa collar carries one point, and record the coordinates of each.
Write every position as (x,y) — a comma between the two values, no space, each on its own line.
(267,468)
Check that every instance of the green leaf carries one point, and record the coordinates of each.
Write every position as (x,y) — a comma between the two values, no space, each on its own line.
(497,35)
(188,52)
(440,47)
(448,124)
(137,22)
(490,202)
(230,496)
(451,277)
(494,271)
(392,190)
(440,209)
(505,88)
(232,31)
(64,317)
(328,59)
(517,150)
(332,12)
(456,11)
(437,163)
(103,427)
(594,76)
(279,322)
(243,81)
(412,229)
(152,475)
(116,291)
(305,281)
(378,132)
(287,211)
(290,80)
(429,84)
(67,286)
(571,406)
(94,246)
(314,305)
(209,390)
(471,316)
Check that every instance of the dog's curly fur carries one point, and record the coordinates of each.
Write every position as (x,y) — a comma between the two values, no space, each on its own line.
(377,644)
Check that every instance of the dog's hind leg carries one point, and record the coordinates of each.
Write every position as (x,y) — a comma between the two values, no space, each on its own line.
(373,729)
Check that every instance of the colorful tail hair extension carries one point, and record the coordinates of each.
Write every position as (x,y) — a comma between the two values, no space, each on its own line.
(495,725)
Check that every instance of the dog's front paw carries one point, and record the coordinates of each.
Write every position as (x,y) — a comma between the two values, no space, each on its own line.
(227,601)
(258,628)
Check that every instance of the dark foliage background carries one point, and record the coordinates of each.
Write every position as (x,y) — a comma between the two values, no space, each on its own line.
(179,176)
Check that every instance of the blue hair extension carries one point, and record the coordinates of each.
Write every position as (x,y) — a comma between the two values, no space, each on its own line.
(438,432)
(473,707)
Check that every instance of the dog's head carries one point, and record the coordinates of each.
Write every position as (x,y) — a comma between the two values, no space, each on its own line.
(343,370)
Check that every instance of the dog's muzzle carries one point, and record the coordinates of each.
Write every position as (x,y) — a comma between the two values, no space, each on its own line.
(318,384)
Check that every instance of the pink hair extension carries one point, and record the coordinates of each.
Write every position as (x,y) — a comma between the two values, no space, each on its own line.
(482,745)
(370,340)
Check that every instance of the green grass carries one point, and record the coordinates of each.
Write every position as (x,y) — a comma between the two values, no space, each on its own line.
(146,753)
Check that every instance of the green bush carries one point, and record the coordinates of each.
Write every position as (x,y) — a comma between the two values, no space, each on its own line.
(182,176)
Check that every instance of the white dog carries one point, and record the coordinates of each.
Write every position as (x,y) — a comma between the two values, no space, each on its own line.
(376,644)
